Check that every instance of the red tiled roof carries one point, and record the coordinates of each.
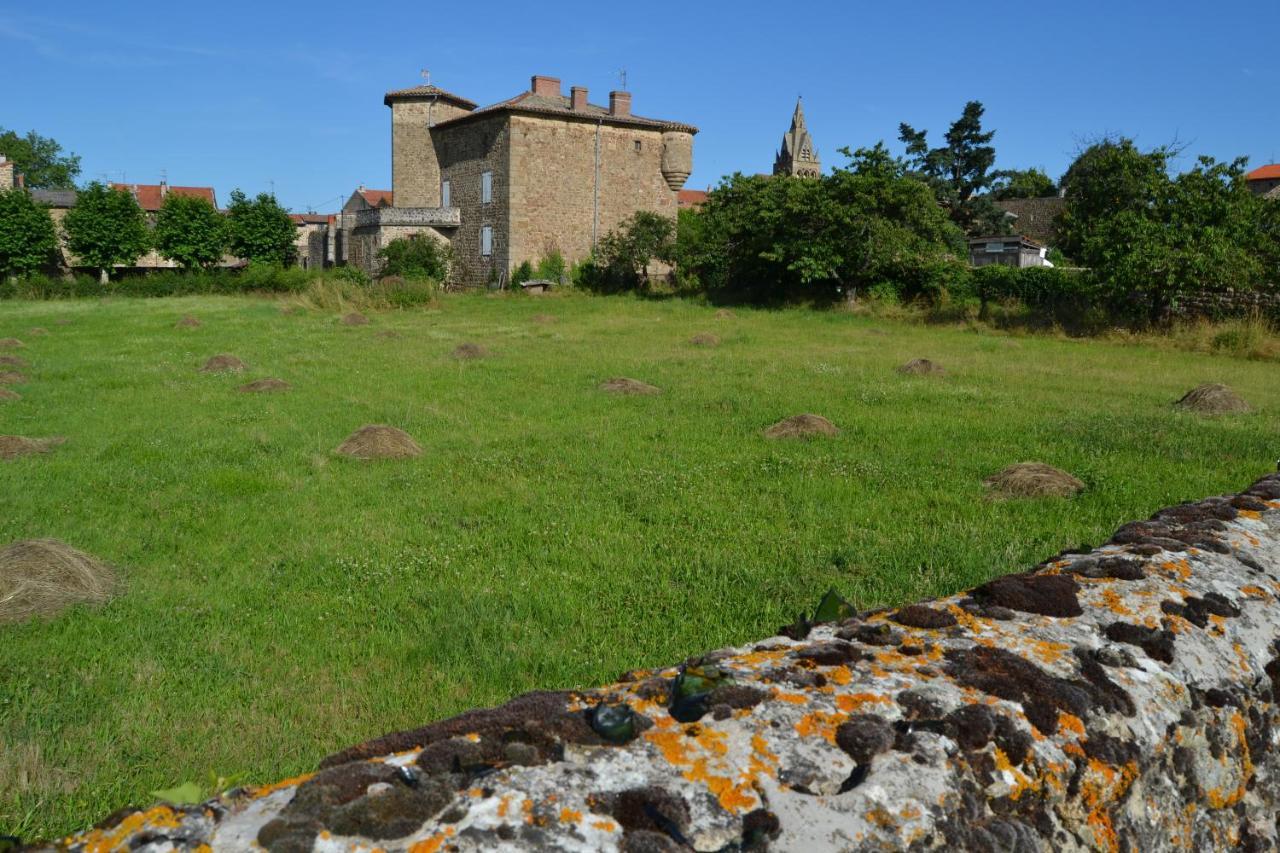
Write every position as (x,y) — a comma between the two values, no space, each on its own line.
(151,196)
(691,198)
(376,198)
(1269,172)
(426,93)
(561,106)
(310,218)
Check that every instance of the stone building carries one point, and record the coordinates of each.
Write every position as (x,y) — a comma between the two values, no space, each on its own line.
(1036,218)
(1265,181)
(8,175)
(798,157)
(511,182)
(312,239)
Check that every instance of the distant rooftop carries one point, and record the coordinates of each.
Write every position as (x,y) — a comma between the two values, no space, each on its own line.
(1270,172)
(151,196)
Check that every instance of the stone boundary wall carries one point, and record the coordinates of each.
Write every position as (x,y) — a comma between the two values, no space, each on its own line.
(1230,303)
(1126,698)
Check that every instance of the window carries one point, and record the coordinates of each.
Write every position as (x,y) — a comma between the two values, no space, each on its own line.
(486,240)
(444,194)
(639,145)
(486,187)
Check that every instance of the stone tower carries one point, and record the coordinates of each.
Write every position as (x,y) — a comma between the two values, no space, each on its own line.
(798,157)
(415,171)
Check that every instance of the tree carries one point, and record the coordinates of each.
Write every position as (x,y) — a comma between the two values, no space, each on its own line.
(419,257)
(958,170)
(40,160)
(1021,183)
(1148,236)
(190,231)
(261,230)
(106,228)
(622,258)
(28,239)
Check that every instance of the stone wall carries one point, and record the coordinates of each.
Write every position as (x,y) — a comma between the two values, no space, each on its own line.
(553,175)
(465,152)
(1230,303)
(1126,698)
(415,171)
(1037,217)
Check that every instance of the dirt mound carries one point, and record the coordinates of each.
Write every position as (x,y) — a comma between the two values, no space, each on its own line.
(1033,480)
(802,426)
(922,367)
(6,394)
(705,339)
(1213,399)
(389,334)
(223,363)
(265,386)
(544,319)
(11,377)
(10,343)
(468,352)
(43,577)
(13,361)
(13,446)
(355,318)
(187,322)
(724,314)
(622,385)
(37,331)
(376,441)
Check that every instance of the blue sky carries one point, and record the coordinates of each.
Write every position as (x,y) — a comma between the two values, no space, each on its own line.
(289,95)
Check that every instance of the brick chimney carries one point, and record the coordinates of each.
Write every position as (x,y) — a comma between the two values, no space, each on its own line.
(578,97)
(619,103)
(547,86)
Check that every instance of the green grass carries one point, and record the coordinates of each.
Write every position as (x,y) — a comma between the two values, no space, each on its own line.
(279,602)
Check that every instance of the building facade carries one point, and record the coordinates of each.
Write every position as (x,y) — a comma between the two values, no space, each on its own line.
(1265,181)
(798,157)
(538,173)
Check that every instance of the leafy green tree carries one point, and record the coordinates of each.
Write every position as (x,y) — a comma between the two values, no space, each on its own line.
(105,228)
(1021,183)
(28,239)
(416,258)
(770,238)
(1148,236)
(190,231)
(40,160)
(958,170)
(261,230)
(622,257)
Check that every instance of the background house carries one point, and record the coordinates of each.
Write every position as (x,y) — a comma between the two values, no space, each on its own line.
(1265,181)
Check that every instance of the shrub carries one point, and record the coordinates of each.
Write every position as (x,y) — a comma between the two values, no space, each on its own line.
(522,273)
(551,266)
(416,257)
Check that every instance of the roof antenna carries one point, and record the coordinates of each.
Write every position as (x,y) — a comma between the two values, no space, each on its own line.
(164,176)
(426,77)
(622,77)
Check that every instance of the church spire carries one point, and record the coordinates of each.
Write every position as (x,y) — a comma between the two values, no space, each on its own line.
(798,156)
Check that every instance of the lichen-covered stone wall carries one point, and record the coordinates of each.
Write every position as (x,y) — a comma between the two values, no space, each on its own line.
(1121,699)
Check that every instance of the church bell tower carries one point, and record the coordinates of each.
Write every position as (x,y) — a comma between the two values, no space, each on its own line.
(798,158)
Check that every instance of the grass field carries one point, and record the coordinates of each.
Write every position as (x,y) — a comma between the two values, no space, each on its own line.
(279,602)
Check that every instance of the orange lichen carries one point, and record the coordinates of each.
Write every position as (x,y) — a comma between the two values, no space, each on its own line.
(822,723)
(264,790)
(1113,602)
(503,804)
(850,702)
(568,815)
(604,825)
(1071,723)
(792,698)
(104,841)
(1249,513)
(1255,592)
(841,675)
(434,843)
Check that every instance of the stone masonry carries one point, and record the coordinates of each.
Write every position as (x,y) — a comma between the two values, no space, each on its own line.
(562,172)
(1126,698)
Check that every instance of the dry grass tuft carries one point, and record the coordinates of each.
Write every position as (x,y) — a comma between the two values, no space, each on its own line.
(187,322)
(724,314)
(469,352)
(264,386)
(12,377)
(10,343)
(14,446)
(802,426)
(43,577)
(543,319)
(1033,480)
(922,367)
(705,339)
(6,394)
(23,770)
(1213,399)
(223,363)
(623,385)
(37,331)
(62,321)
(355,318)
(388,334)
(377,441)
(13,361)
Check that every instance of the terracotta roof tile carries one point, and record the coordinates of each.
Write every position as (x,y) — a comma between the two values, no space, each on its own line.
(423,93)
(151,196)
(1270,172)
(561,105)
